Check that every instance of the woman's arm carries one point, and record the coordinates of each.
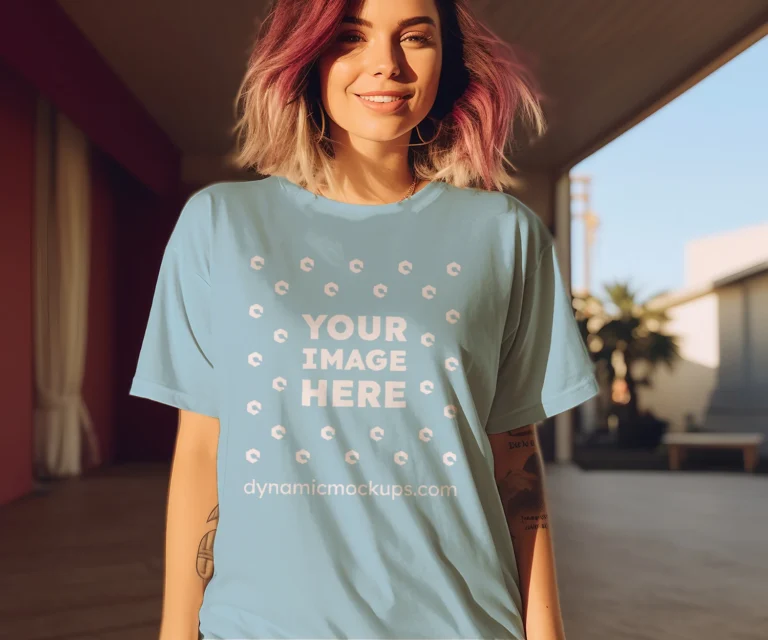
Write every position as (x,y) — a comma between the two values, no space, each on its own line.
(519,473)
(191,523)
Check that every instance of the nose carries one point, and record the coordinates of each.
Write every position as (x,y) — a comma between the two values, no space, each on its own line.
(383,59)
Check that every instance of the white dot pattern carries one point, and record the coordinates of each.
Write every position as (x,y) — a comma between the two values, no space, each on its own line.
(328,433)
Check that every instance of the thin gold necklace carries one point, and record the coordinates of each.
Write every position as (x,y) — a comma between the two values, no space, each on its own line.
(408,193)
(411,189)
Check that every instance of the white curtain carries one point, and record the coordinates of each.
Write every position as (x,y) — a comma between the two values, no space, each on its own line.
(62,267)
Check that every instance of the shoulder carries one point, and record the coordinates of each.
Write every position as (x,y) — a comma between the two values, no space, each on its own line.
(508,209)
(525,224)
(218,194)
(220,204)
(522,234)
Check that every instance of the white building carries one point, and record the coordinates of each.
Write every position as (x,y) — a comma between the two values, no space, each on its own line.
(721,319)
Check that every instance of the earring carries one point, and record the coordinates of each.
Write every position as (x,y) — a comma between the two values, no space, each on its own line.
(418,133)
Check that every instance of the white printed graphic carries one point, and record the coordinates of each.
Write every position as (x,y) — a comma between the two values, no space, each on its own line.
(255,311)
(336,352)
(327,433)
(453,269)
(257,262)
(356,265)
(252,455)
(255,359)
(281,287)
(307,264)
(331,289)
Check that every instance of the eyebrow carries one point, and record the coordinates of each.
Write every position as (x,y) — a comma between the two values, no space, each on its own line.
(405,22)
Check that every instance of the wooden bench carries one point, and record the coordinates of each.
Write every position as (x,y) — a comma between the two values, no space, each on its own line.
(679,442)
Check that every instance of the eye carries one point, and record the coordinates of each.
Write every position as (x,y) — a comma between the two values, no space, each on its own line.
(349,37)
(415,37)
(354,38)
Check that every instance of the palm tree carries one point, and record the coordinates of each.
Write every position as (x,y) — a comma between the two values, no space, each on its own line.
(621,330)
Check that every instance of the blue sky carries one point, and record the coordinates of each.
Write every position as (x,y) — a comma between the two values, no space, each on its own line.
(697,167)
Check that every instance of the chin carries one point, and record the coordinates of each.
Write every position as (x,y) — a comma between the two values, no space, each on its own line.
(381,138)
(381,134)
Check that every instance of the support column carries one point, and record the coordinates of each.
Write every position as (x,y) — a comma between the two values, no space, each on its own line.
(562,224)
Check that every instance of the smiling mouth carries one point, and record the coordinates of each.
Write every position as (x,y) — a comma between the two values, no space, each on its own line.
(384,99)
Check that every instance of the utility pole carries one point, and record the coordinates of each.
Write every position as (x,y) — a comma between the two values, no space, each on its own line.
(591,223)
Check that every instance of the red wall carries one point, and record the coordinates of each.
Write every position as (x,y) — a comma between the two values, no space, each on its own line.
(145,430)
(17,201)
(39,41)
(17,123)
(135,172)
(101,351)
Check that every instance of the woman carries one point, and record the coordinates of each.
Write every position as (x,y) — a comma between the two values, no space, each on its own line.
(360,342)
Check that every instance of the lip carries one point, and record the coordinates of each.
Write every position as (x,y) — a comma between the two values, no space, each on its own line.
(384,107)
(384,93)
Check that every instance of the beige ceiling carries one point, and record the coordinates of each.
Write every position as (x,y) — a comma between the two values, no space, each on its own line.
(603,64)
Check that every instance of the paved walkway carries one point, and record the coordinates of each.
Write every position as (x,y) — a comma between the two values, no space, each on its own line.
(661,555)
(640,555)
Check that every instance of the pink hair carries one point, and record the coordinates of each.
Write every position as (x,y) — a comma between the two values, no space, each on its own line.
(484,87)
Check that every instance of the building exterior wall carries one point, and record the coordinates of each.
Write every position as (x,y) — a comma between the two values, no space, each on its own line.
(687,387)
(722,376)
(757,313)
(710,258)
(740,399)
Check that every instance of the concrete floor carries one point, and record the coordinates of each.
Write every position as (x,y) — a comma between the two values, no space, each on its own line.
(661,555)
(640,556)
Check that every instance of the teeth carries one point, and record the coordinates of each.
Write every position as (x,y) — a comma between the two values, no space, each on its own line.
(381,98)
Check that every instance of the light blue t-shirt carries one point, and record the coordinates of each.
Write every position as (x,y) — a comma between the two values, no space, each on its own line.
(356,357)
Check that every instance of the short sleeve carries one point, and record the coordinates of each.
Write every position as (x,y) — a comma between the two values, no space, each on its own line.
(545,368)
(176,363)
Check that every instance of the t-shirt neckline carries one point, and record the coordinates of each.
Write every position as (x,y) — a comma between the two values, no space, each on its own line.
(423,197)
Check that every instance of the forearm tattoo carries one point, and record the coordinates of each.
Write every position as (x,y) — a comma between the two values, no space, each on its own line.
(205,550)
(521,488)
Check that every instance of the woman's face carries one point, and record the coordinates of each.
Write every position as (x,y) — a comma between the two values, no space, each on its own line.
(382,45)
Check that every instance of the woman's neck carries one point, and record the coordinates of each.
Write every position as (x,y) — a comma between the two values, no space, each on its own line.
(366,175)
(373,190)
